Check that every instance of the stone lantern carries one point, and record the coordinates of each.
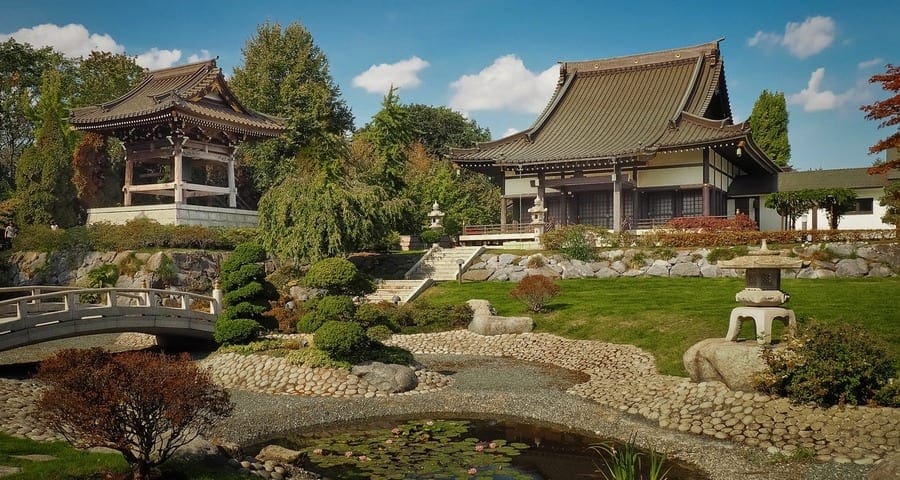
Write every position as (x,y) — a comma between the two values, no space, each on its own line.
(435,216)
(761,298)
(538,213)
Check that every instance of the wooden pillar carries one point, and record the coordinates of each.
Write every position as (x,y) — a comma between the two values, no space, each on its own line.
(617,198)
(129,179)
(502,212)
(232,187)
(178,171)
(815,218)
(565,206)
(706,209)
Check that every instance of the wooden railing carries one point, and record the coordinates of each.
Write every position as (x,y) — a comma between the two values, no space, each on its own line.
(497,228)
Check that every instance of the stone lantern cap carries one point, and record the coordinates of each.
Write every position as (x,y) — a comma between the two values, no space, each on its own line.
(762,258)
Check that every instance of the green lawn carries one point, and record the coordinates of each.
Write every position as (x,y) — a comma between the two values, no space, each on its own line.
(665,316)
(72,464)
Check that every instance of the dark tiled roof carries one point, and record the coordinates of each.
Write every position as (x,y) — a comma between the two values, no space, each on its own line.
(624,107)
(195,92)
(837,178)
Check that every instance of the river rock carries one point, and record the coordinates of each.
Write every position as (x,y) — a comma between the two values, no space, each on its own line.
(278,454)
(887,469)
(387,377)
(732,363)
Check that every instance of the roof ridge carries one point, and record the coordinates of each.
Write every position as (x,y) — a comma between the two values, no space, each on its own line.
(646,58)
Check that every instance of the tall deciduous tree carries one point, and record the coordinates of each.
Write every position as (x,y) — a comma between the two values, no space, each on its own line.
(44,171)
(887,113)
(285,74)
(102,77)
(769,124)
(439,128)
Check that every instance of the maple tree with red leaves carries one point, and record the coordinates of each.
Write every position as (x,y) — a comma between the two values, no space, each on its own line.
(886,111)
(145,405)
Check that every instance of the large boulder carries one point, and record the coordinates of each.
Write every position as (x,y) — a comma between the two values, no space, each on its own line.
(659,268)
(732,363)
(852,267)
(279,454)
(387,377)
(685,270)
(476,275)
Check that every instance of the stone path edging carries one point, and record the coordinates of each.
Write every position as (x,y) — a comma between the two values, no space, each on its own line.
(624,377)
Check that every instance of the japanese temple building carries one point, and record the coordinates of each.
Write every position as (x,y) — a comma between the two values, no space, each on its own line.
(180,127)
(627,142)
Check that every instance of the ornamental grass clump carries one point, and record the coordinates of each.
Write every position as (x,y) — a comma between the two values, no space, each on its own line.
(829,365)
(535,291)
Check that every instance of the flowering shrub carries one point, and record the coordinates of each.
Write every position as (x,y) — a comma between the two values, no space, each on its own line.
(535,291)
(828,365)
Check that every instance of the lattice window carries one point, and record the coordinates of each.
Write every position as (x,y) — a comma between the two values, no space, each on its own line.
(692,203)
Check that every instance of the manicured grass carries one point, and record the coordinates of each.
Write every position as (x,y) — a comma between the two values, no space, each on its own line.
(72,464)
(665,316)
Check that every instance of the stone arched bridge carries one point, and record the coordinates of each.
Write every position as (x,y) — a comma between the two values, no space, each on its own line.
(35,314)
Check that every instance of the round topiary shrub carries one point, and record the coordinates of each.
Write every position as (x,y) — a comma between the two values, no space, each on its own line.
(338,276)
(310,322)
(342,340)
(243,254)
(372,314)
(379,333)
(336,307)
(236,331)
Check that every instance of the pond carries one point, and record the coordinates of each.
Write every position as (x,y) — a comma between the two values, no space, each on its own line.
(458,449)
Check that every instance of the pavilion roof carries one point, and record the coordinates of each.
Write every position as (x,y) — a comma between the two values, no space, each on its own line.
(196,94)
(627,109)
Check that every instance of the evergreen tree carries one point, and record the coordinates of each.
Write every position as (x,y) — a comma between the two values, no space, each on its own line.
(389,133)
(439,128)
(285,74)
(44,171)
(769,125)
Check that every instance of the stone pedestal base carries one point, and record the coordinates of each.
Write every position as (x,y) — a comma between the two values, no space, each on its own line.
(763,317)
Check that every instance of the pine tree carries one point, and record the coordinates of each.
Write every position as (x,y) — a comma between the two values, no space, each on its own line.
(390,134)
(769,125)
(44,171)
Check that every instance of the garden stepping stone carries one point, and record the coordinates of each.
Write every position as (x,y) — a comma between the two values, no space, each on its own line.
(4,470)
(36,457)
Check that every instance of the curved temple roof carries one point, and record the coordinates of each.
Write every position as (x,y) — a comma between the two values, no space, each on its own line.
(626,108)
(195,93)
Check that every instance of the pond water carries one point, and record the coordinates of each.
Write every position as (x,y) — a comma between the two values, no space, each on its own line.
(457,449)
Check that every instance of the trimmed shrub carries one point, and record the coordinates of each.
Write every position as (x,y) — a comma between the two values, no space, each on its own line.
(247,293)
(338,276)
(738,222)
(379,333)
(312,357)
(828,365)
(309,322)
(371,314)
(461,315)
(430,236)
(236,331)
(243,254)
(329,307)
(243,310)
(718,254)
(535,291)
(889,395)
(342,340)
(379,352)
(251,272)
(578,242)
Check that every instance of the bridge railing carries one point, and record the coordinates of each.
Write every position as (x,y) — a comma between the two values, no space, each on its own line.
(42,300)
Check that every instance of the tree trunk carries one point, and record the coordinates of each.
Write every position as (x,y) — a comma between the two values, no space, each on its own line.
(140,471)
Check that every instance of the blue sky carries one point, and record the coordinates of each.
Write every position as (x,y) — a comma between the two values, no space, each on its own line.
(495,61)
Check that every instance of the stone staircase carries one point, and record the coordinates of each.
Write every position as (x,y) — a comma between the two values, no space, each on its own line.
(441,264)
(435,265)
(405,290)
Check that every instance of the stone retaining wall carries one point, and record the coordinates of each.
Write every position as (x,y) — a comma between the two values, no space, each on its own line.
(821,261)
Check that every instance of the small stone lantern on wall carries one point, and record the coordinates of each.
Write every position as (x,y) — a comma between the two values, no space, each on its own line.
(762,298)
(435,217)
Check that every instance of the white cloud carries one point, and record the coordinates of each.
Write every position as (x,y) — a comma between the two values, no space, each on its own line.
(875,62)
(511,131)
(801,39)
(814,99)
(73,40)
(403,74)
(155,58)
(504,85)
(764,39)
(203,55)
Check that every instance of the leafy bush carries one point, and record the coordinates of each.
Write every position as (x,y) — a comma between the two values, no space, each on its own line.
(828,365)
(461,315)
(578,242)
(422,316)
(719,253)
(103,276)
(430,236)
(889,395)
(342,340)
(312,357)
(338,276)
(285,318)
(379,333)
(535,291)
(309,322)
(375,314)
(379,352)
(329,307)
(739,222)
(235,331)
(166,271)
(142,404)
